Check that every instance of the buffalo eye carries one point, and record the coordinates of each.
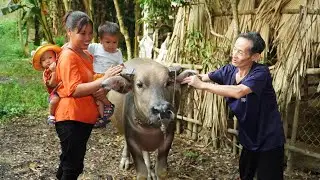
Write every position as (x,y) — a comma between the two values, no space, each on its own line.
(139,84)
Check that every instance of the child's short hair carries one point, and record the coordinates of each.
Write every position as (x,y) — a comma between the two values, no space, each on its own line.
(109,28)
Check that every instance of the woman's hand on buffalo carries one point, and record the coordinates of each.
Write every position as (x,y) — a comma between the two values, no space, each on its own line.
(113,71)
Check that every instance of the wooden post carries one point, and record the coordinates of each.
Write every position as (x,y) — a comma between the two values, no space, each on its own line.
(190,111)
(155,42)
(294,132)
(195,116)
(178,122)
(305,86)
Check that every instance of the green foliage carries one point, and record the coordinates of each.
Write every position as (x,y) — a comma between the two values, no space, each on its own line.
(60,40)
(9,40)
(199,50)
(157,10)
(9,9)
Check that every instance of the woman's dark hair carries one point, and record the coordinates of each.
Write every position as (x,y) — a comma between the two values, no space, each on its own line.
(258,43)
(108,28)
(76,20)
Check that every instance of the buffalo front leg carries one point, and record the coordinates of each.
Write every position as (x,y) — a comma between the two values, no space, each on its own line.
(140,166)
(125,157)
(163,151)
(146,157)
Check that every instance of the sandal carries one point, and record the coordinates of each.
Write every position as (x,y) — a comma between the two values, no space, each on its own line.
(101,123)
(108,111)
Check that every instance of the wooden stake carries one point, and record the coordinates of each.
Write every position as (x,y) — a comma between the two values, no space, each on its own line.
(294,132)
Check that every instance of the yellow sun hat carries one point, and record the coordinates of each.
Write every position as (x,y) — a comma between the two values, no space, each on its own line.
(36,55)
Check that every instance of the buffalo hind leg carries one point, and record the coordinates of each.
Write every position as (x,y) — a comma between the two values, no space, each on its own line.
(125,158)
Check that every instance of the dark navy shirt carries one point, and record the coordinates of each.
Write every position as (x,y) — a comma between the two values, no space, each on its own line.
(260,125)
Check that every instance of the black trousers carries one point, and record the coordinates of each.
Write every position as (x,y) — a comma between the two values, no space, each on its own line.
(268,165)
(73,137)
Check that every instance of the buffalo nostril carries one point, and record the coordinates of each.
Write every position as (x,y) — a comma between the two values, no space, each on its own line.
(155,110)
(165,115)
(163,110)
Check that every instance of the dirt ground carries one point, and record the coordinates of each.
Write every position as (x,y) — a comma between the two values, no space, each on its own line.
(30,149)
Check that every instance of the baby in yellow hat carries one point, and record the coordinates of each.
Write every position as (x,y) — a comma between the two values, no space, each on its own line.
(44,59)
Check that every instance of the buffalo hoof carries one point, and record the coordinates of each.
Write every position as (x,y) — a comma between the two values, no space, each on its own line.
(152,175)
(124,163)
(162,175)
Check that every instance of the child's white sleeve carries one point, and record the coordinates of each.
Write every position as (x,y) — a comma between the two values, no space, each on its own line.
(91,48)
(120,57)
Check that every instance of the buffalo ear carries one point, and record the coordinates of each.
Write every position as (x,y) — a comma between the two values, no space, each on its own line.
(186,73)
(117,83)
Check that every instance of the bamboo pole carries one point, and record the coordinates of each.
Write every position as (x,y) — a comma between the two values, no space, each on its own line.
(190,104)
(195,115)
(155,41)
(188,66)
(234,138)
(178,123)
(123,29)
(302,151)
(313,71)
(233,132)
(66,5)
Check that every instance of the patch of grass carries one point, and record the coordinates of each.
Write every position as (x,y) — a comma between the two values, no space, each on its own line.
(21,89)
(191,154)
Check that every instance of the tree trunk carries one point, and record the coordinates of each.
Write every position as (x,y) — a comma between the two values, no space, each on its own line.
(26,42)
(123,29)
(88,7)
(44,23)
(20,29)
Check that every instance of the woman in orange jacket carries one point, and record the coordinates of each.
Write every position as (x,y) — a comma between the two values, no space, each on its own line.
(77,110)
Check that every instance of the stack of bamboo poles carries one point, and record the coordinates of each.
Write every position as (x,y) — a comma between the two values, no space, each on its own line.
(190,44)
